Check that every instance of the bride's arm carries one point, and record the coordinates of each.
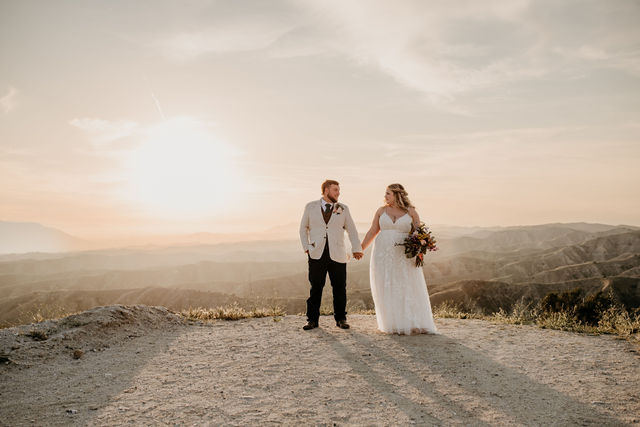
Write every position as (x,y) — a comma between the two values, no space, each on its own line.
(413,213)
(373,231)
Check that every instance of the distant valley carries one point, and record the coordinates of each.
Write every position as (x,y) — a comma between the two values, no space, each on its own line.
(487,268)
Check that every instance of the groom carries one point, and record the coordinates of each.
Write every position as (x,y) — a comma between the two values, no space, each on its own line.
(322,236)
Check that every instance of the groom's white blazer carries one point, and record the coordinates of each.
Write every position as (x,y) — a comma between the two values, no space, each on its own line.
(314,232)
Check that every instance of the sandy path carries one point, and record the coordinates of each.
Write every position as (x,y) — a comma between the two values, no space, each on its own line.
(261,371)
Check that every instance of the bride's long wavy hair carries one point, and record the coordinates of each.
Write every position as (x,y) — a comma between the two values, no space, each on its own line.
(401,196)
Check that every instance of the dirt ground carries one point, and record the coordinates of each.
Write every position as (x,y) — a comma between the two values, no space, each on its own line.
(145,366)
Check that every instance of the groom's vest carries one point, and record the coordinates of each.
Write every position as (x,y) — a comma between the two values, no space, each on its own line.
(326,215)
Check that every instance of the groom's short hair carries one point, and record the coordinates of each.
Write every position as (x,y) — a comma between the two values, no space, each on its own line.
(328,183)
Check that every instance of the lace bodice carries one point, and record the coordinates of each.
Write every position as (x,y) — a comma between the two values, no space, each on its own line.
(402,224)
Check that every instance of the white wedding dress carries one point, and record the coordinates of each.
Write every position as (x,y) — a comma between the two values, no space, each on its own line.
(397,285)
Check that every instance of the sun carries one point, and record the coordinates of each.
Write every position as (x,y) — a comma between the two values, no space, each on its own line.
(181,170)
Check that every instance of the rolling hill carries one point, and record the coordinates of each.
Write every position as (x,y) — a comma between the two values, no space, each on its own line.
(488,268)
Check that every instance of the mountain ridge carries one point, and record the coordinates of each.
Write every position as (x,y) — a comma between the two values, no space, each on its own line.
(536,258)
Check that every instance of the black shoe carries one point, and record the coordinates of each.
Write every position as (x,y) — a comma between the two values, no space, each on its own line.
(342,324)
(310,325)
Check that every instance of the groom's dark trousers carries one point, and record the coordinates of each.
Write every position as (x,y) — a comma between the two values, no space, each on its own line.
(318,269)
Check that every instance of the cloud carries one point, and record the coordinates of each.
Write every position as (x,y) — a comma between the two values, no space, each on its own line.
(102,132)
(446,50)
(439,49)
(404,40)
(249,34)
(7,102)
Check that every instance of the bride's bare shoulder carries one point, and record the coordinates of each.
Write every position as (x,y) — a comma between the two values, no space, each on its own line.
(380,210)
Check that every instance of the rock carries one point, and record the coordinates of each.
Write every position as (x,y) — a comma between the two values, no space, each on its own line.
(72,411)
(37,335)
(77,354)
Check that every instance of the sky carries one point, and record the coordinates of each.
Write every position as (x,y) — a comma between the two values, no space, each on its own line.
(121,118)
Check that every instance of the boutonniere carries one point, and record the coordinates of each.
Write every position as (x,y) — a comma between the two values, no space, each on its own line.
(338,209)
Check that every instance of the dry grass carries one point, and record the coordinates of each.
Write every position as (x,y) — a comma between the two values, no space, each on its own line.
(39,313)
(451,310)
(326,309)
(231,312)
(614,320)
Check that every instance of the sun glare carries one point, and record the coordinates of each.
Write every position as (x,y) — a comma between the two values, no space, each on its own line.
(181,169)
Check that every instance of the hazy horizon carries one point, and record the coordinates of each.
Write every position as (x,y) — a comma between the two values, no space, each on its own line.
(135,118)
(20,238)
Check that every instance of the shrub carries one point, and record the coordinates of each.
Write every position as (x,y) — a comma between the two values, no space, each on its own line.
(555,303)
(592,308)
(587,310)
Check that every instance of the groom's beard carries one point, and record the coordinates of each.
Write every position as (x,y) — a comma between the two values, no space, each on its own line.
(333,200)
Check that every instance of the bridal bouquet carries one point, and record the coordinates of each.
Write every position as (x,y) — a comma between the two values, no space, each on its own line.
(418,243)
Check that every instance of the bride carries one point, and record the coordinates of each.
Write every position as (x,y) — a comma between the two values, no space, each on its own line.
(397,285)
